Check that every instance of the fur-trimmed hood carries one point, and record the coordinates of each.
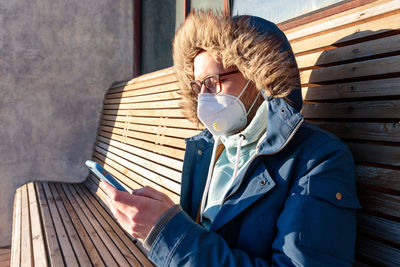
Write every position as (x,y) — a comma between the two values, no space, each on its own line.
(257,47)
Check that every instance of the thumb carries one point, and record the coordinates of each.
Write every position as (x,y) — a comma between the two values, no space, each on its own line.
(149,192)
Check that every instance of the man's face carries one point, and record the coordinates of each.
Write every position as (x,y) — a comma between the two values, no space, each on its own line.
(205,65)
(232,84)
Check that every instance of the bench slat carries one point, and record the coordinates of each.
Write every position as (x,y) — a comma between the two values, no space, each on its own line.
(139,163)
(157,139)
(66,246)
(379,203)
(16,234)
(137,84)
(148,155)
(150,146)
(371,131)
(380,88)
(107,235)
(141,175)
(133,179)
(371,67)
(377,252)
(375,226)
(102,209)
(156,89)
(157,130)
(73,236)
(385,109)
(85,239)
(26,242)
(382,154)
(362,30)
(39,250)
(87,219)
(345,18)
(167,113)
(169,104)
(378,177)
(167,122)
(53,246)
(351,52)
(157,96)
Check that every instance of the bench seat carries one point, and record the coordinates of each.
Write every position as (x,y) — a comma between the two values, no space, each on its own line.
(66,225)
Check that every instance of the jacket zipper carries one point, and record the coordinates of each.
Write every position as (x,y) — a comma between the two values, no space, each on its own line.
(275,152)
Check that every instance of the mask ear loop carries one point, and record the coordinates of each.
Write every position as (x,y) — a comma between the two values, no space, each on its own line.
(254,102)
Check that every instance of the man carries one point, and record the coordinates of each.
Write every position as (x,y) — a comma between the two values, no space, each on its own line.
(259,186)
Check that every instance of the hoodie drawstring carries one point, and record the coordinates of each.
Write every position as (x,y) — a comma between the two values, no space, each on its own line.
(239,147)
(210,171)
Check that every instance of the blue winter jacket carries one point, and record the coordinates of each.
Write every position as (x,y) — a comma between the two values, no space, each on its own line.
(295,206)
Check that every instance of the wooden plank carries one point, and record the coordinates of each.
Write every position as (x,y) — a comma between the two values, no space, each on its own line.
(379,177)
(73,236)
(377,252)
(53,247)
(140,174)
(66,247)
(356,51)
(384,109)
(148,91)
(164,113)
(373,88)
(156,139)
(118,230)
(86,220)
(16,232)
(157,96)
(156,148)
(357,31)
(26,237)
(137,84)
(374,226)
(39,250)
(157,130)
(101,232)
(378,202)
(167,122)
(140,165)
(89,247)
(342,20)
(169,104)
(160,158)
(352,70)
(132,179)
(110,231)
(371,131)
(148,76)
(373,153)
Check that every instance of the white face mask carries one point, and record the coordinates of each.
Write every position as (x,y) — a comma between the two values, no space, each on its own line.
(223,114)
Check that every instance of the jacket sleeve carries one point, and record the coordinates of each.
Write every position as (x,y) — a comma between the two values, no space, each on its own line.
(321,204)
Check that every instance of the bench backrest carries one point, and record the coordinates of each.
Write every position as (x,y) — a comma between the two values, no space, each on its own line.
(350,73)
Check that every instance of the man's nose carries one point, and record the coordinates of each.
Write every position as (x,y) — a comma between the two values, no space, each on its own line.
(203,89)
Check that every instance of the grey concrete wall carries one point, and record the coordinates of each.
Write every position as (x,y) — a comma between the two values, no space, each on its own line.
(57,60)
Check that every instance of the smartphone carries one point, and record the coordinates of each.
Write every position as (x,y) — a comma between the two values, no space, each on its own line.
(101,173)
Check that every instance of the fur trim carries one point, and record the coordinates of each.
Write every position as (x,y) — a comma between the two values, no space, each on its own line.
(235,43)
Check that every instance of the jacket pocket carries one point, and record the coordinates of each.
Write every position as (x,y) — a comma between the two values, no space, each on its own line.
(329,225)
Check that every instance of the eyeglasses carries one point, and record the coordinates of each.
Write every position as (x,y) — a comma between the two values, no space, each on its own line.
(211,82)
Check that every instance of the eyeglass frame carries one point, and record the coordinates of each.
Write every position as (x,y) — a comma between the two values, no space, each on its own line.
(218,76)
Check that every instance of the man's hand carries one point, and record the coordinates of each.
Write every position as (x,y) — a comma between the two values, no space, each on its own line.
(138,212)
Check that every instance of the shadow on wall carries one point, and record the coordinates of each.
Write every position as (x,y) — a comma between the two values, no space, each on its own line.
(351,88)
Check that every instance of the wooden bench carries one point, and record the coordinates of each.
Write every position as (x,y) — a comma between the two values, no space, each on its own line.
(350,65)
(141,142)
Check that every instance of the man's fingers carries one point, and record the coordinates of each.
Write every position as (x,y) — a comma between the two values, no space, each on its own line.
(150,192)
